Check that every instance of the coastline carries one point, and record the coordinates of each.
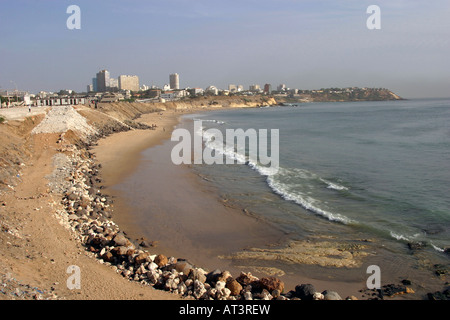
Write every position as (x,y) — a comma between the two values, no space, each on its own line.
(74,245)
(225,219)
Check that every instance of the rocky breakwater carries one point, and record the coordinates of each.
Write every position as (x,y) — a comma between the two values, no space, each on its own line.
(88,213)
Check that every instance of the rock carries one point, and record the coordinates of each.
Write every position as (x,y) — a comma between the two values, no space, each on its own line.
(246,279)
(141,270)
(444,295)
(152,266)
(182,288)
(276,293)
(248,295)
(318,296)
(224,276)
(183,266)
(73,217)
(234,286)
(141,258)
(199,290)
(120,251)
(305,291)
(161,260)
(406,282)
(265,295)
(72,196)
(416,245)
(331,295)
(213,276)
(108,257)
(271,284)
(222,291)
(120,240)
(153,276)
(197,275)
(392,290)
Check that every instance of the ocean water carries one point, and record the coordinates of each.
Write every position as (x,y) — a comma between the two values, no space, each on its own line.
(359,170)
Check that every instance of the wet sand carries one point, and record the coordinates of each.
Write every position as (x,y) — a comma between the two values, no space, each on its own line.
(185,215)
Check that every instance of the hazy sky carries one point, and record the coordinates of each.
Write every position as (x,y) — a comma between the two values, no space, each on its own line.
(304,44)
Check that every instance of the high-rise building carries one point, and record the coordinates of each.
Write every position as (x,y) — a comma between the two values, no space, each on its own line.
(174,81)
(129,83)
(94,84)
(232,88)
(267,88)
(113,83)
(103,81)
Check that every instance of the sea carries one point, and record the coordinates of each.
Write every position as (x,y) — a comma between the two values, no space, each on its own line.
(377,171)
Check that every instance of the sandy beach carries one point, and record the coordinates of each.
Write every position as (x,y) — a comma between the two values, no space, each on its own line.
(185,217)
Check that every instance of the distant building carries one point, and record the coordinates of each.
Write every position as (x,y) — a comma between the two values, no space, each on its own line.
(268,88)
(110,98)
(281,87)
(113,83)
(232,88)
(129,83)
(196,91)
(89,88)
(254,87)
(174,81)
(212,90)
(60,101)
(103,81)
(94,84)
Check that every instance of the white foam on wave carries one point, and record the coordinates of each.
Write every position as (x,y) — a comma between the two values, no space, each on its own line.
(210,120)
(437,248)
(278,187)
(306,202)
(334,186)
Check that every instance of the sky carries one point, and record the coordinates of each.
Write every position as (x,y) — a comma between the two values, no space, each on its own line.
(305,44)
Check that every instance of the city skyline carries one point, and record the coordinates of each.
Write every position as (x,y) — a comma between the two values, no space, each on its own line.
(303,44)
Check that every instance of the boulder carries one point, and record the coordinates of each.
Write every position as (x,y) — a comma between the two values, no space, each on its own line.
(183,266)
(213,276)
(120,240)
(416,245)
(120,251)
(141,258)
(305,291)
(246,279)
(161,260)
(224,276)
(271,284)
(234,286)
(108,257)
(197,275)
(331,295)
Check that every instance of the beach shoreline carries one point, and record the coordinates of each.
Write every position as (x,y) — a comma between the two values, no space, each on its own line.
(126,216)
(83,232)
